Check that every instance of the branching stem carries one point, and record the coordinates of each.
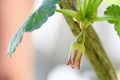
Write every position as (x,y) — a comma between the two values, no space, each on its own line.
(94,50)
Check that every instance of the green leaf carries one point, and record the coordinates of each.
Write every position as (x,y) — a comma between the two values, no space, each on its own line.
(41,15)
(117,28)
(35,21)
(16,39)
(114,12)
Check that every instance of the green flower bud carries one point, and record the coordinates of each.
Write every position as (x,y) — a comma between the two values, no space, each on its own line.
(76,51)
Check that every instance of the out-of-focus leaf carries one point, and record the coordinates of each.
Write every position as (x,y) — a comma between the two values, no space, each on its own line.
(35,21)
(110,2)
(16,39)
(41,15)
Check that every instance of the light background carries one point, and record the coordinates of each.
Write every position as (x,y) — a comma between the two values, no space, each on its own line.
(52,43)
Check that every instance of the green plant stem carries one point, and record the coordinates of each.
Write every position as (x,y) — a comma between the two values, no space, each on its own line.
(80,7)
(84,6)
(105,18)
(94,50)
(94,6)
(79,4)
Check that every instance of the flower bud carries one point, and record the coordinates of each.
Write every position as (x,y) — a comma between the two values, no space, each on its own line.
(76,51)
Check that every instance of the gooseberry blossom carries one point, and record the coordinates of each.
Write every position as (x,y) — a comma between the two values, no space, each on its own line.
(76,51)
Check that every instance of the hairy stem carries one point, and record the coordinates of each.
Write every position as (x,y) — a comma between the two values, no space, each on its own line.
(94,50)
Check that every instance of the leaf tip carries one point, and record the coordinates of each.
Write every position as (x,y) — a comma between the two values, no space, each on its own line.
(9,55)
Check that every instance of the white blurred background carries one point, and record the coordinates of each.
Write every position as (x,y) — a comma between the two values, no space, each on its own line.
(52,43)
